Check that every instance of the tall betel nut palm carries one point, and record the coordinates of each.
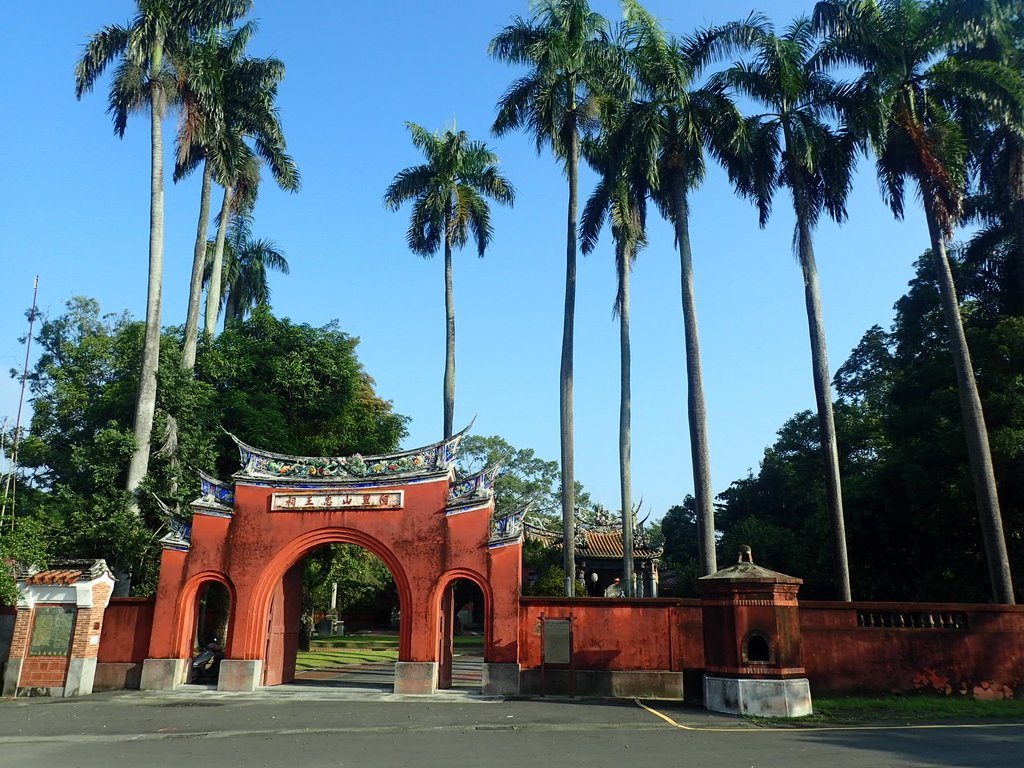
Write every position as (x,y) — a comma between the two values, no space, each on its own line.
(621,196)
(663,134)
(915,97)
(143,78)
(793,145)
(449,193)
(226,97)
(572,65)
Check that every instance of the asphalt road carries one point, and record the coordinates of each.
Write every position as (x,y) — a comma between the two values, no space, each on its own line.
(295,727)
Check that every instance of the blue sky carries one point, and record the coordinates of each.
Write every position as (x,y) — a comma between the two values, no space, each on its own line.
(74,202)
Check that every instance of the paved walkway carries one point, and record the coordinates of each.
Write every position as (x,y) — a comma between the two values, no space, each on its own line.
(466,675)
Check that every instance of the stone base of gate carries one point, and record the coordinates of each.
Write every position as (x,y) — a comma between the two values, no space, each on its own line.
(240,674)
(162,674)
(416,678)
(500,679)
(761,698)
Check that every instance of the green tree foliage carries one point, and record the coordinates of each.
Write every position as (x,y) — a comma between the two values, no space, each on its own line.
(298,388)
(526,480)
(916,101)
(159,32)
(27,543)
(549,584)
(359,574)
(678,534)
(903,457)
(524,477)
(293,388)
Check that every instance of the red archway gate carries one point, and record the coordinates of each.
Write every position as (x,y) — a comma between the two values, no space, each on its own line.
(408,509)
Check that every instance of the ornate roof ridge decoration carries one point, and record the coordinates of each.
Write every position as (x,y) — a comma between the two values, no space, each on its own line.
(216,490)
(473,488)
(216,499)
(179,537)
(543,535)
(508,528)
(435,459)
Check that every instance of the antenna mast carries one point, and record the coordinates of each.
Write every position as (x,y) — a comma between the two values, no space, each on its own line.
(10,484)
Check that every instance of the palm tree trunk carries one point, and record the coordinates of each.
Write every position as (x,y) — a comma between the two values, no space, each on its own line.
(145,402)
(449,341)
(1015,287)
(823,399)
(625,402)
(566,373)
(979,454)
(232,311)
(695,408)
(213,291)
(195,291)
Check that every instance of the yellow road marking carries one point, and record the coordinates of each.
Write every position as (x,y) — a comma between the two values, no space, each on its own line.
(755,729)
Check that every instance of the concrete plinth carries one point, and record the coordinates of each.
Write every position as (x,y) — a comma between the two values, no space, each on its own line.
(500,679)
(81,674)
(11,675)
(162,674)
(759,698)
(239,674)
(417,678)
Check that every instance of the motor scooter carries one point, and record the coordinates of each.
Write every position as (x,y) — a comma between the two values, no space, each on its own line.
(206,663)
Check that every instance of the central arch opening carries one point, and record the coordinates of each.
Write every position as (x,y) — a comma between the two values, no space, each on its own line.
(344,611)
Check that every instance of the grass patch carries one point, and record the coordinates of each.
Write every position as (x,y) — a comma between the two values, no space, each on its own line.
(320,658)
(896,710)
(366,649)
(386,642)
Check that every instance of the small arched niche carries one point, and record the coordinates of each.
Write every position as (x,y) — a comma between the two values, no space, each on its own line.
(757,649)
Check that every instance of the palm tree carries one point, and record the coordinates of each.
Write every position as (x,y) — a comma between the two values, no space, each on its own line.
(449,192)
(214,75)
(159,30)
(245,264)
(573,64)
(915,100)
(793,145)
(997,157)
(232,126)
(665,131)
(622,198)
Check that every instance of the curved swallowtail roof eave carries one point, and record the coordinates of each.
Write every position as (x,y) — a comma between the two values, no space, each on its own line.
(437,462)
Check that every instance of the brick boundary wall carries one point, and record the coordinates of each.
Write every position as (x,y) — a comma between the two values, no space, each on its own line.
(983,658)
(935,648)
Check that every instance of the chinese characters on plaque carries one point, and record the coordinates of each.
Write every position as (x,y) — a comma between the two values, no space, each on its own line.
(310,502)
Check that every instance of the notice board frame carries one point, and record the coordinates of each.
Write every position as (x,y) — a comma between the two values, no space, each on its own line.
(557,644)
